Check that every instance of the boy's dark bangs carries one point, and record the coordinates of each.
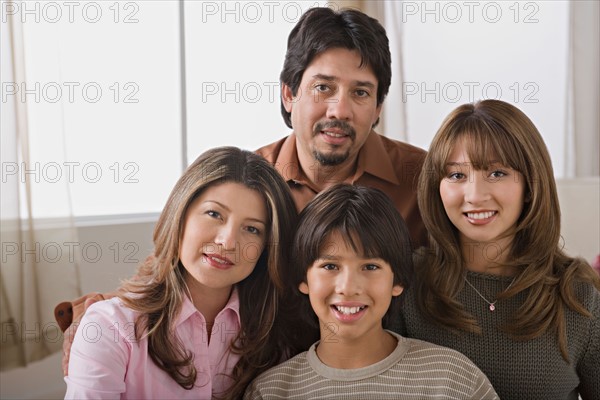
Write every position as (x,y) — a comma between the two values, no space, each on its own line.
(359,234)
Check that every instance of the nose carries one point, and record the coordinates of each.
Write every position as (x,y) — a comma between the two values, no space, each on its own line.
(339,107)
(226,237)
(348,283)
(477,188)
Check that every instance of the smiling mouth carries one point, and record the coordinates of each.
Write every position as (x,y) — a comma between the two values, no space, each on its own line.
(336,129)
(333,134)
(218,260)
(481,215)
(348,310)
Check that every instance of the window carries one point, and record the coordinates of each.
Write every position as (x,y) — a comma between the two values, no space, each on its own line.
(459,52)
(105,76)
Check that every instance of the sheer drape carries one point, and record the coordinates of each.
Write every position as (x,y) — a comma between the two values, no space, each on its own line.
(582,130)
(39,257)
(582,137)
(393,121)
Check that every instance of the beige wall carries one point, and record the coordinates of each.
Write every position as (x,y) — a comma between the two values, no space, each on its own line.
(580,219)
(120,244)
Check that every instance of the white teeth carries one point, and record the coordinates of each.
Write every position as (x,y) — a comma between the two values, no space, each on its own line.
(218,260)
(335,135)
(481,215)
(348,310)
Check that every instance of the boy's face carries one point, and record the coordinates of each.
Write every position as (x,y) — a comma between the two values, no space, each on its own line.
(350,294)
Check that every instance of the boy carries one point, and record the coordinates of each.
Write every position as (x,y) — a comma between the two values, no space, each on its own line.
(352,260)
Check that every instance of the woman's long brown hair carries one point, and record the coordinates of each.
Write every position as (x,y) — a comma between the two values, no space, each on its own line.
(492,129)
(157,290)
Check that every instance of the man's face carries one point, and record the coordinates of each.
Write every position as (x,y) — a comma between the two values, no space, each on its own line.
(334,108)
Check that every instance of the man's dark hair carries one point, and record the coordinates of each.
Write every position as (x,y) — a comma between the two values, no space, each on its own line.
(321,29)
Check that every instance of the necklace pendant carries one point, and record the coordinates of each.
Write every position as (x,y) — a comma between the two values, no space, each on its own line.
(492,307)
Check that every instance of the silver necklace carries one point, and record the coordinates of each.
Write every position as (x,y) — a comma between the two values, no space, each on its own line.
(492,304)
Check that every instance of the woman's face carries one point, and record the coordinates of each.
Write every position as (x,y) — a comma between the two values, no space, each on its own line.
(224,235)
(484,205)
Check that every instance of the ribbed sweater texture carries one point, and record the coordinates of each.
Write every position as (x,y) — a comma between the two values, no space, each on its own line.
(531,369)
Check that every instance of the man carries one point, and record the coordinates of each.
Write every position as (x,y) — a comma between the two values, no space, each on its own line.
(336,74)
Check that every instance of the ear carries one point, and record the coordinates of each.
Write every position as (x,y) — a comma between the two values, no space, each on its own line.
(303,287)
(397,290)
(287,97)
(377,113)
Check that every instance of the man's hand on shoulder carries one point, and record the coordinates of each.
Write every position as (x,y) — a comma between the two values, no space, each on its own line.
(69,314)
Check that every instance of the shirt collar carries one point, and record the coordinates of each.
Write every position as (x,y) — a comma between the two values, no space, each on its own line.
(287,162)
(188,309)
(372,159)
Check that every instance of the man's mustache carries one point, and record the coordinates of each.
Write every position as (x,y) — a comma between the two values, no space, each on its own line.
(337,124)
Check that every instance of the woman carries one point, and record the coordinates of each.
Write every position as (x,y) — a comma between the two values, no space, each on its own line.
(495,283)
(201,317)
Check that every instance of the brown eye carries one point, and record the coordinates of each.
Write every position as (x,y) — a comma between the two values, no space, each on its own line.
(253,230)
(456,176)
(214,214)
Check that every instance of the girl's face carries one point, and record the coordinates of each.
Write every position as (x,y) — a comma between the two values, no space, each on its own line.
(224,234)
(484,205)
(349,293)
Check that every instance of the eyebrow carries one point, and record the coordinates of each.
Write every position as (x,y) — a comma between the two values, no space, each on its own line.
(331,78)
(326,257)
(467,164)
(228,209)
(336,258)
(457,164)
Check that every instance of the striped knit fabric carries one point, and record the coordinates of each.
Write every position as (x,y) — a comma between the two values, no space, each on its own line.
(414,370)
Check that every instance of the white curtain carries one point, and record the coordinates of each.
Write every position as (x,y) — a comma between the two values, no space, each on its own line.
(583,118)
(393,121)
(39,256)
(582,130)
